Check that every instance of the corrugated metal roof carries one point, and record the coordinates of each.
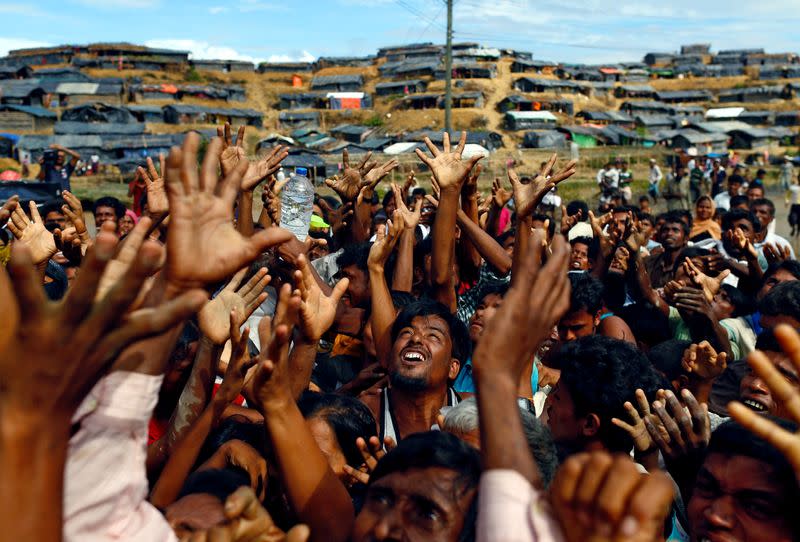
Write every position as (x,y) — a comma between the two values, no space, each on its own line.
(322,80)
(99,128)
(77,88)
(35,111)
(532,115)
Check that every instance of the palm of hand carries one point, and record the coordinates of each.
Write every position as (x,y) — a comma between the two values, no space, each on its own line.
(316,314)
(501,196)
(40,241)
(214,318)
(230,158)
(348,185)
(449,170)
(205,222)
(256,173)
(157,201)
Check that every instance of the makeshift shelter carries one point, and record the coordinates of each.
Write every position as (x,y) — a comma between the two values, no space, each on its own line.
(71,94)
(411,86)
(403,147)
(163,91)
(352,132)
(25,118)
(647,108)
(520,65)
(471,70)
(752,94)
(337,83)
(421,101)
(606,117)
(489,140)
(658,59)
(529,120)
(22,92)
(273,140)
(312,162)
(349,100)
(724,113)
(529,84)
(224,66)
(516,102)
(544,139)
(97,112)
(344,61)
(464,100)
(787,118)
(584,136)
(704,143)
(653,123)
(303,100)
(97,128)
(634,91)
(8,144)
(187,114)
(684,96)
(146,113)
(750,138)
(298,120)
(757,117)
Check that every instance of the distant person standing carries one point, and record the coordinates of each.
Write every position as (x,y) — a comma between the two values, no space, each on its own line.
(608,180)
(654,178)
(55,169)
(793,198)
(787,173)
(625,180)
(718,176)
(677,190)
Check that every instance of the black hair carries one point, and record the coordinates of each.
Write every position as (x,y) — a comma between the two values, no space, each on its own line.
(234,428)
(503,237)
(641,215)
(760,171)
(676,217)
(600,374)
(459,335)
(667,356)
(419,191)
(440,449)
(57,288)
(332,201)
(790,266)
(783,299)
(764,201)
(648,324)
(688,253)
(736,178)
(354,254)
(218,482)
(578,205)
(50,207)
(767,342)
(387,197)
(586,293)
(551,223)
(497,288)
(743,304)
(731,439)
(590,242)
(734,215)
(738,200)
(402,299)
(347,417)
(109,201)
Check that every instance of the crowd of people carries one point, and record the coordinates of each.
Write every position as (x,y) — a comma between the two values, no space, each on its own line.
(433,364)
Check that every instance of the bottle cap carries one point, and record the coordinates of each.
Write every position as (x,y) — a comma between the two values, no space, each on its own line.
(301,171)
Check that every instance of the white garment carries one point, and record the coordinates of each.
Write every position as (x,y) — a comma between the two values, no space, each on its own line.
(655,175)
(723,201)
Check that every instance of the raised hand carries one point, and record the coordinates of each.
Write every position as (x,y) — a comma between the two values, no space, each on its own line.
(214,319)
(567,221)
(272,381)
(124,257)
(470,187)
(74,212)
(32,233)
(337,218)
(528,196)
(382,248)
(259,171)
(500,196)
(203,245)
(598,497)
(710,285)
(157,202)
(248,521)
(775,253)
(703,361)
(447,166)
(372,452)
(686,433)
(410,218)
(232,153)
(317,310)
(238,365)
(8,208)
(784,394)
(351,182)
(376,175)
(637,430)
(411,180)
(598,228)
(693,302)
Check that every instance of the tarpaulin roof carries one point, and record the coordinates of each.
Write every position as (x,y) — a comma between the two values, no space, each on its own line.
(35,111)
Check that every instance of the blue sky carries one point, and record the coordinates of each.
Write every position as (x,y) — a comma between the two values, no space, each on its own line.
(561,30)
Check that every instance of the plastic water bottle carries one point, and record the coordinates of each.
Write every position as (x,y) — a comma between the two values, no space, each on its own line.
(297,202)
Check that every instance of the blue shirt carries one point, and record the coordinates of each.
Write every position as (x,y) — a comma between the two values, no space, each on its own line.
(465,383)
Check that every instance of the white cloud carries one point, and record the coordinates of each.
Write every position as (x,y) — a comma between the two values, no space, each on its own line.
(9,44)
(218,9)
(205,50)
(295,56)
(23,10)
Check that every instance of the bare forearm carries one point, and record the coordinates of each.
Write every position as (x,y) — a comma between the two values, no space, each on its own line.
(503,443)
(363,220)
(183,457)
(245,222)
(469,209)
(301,363)
(383,313)
(315,494)
(403,277)
(493,219)
(487,247)
(32,461)
(521,246)
(443,239)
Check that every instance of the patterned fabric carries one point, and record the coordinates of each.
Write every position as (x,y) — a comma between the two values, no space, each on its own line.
(468,302)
